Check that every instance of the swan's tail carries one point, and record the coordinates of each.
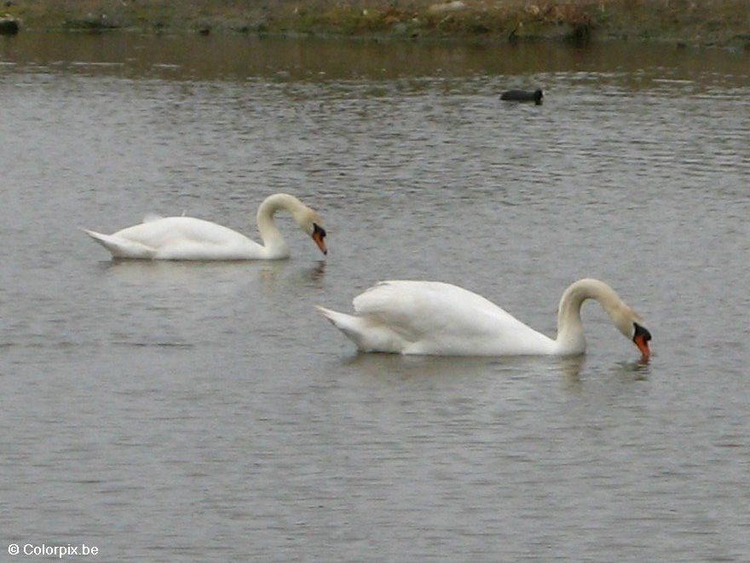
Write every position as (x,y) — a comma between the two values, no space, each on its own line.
(367,334)
(121,248)
(339,320)
(350,325)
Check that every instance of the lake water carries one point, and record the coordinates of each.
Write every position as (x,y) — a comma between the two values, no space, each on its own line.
(185,412)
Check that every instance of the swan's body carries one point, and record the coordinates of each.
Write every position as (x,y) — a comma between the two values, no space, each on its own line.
(422,317)
(187,238)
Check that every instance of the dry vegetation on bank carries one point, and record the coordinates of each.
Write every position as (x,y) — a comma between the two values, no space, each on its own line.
(723,22)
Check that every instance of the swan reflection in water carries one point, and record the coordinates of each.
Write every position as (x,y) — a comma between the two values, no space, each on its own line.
(408,367)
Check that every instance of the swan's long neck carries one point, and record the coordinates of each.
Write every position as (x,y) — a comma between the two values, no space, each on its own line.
(273,241)
(570,337)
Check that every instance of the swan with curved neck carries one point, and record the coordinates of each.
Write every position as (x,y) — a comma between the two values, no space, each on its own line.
(187,238)
(434,318)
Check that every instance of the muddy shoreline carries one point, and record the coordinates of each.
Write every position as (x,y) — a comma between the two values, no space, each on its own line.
(723,23)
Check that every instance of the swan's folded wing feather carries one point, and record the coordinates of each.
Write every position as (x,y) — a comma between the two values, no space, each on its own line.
(418,308)
(188,238)
(157,231)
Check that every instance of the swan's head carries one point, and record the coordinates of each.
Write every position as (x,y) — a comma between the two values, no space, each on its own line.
(319,235)
(629,323)
(310,222)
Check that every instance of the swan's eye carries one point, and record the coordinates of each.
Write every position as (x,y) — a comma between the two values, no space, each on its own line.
(317,229)
(642,332)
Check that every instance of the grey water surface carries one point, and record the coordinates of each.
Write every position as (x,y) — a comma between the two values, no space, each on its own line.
(205,411)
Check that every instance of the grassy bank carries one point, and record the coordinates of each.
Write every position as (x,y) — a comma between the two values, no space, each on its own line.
(701,22)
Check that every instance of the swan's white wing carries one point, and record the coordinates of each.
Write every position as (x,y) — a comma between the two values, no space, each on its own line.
(419,308)
(183,238)
(156,232)
(439,318)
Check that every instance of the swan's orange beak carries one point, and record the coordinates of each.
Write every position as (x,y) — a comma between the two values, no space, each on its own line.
(642,343)
(641,338)
(318,236)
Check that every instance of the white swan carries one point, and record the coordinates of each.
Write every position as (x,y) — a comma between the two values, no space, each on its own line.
(186,238)
(423,317)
